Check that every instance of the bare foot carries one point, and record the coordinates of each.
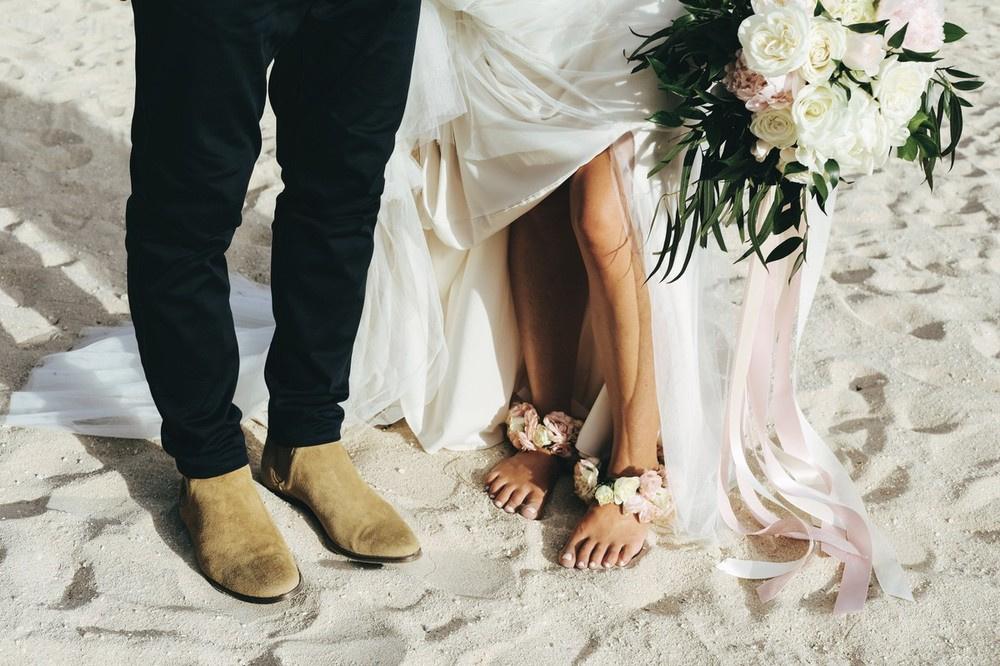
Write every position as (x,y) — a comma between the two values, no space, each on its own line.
(604,538)
(522,482)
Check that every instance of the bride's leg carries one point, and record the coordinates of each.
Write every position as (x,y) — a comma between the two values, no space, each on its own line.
(549,289)
(620,312)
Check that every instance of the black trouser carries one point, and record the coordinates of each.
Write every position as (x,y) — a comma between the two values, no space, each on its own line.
(338,88)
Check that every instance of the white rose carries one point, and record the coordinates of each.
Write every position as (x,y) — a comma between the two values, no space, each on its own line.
(899,88)
(819,112)
(541,438)
(865,146)
(761,6)
(625,487)
(851,11)
(776,42)
(865,52)
(604,495)
(515,424)
(827,45)
(775,128)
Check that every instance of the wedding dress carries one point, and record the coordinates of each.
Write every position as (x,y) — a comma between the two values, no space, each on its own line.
(508,100)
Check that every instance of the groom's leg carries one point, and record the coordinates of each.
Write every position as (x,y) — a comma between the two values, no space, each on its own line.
(200,89)
(338,89)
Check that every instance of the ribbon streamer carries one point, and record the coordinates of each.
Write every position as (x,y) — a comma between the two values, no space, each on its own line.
(798,477)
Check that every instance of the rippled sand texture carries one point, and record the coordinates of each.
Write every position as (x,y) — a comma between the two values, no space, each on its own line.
(901,370)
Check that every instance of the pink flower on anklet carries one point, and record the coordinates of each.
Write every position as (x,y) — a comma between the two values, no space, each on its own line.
(556,434)
(646,496)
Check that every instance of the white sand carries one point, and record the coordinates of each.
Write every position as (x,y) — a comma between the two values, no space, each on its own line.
(900,369)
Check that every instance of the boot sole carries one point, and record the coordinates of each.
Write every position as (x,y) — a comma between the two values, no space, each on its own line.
(251,599)
(333,546)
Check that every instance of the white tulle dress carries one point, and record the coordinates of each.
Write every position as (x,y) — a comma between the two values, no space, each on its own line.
(508,100)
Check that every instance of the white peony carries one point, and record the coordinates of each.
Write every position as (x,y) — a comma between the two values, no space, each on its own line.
(819,112)
(865,146)
(924,21)
(776,42)
(851,11)
(827,45)
(865,52)
(775,128)
(899,88)
(761,6)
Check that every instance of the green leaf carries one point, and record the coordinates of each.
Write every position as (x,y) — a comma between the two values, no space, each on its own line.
(864,28)
(959,74)
(953,33)
(896,41)
(784,249)
(968,85)
(909,151)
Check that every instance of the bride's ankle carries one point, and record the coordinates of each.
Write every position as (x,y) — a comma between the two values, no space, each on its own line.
(618,468)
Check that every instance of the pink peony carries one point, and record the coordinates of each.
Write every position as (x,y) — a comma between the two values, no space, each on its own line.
(634,504)
(924,18)
(757,91)
(521,441)
(562,427)
(650,482)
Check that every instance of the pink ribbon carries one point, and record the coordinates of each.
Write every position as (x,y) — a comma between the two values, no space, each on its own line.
(801,490)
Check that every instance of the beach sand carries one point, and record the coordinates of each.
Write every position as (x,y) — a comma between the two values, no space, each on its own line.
(900,370)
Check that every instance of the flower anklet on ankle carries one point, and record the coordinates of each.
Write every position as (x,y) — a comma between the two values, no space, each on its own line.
(646,495)
(555,434)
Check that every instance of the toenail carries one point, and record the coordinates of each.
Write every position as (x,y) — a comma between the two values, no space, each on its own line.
(581,565)
(508,509)
(567,557)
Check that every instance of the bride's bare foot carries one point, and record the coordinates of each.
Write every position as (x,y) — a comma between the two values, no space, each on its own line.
(522,482)
(604,538)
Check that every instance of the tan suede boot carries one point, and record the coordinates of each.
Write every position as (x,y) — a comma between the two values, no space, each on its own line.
(358,522)
(237,544)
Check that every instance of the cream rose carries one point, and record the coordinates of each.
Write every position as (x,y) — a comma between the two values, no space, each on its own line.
(827,45)
(818,113)
(775,128)
(899,88)
(625,487)
(851,11)
(776,42)
(604,495)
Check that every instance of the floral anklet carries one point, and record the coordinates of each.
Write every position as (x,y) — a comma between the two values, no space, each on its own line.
(555,435)
(646,496)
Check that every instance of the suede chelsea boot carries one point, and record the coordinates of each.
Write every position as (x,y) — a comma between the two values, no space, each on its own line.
(236,543)
(359,524)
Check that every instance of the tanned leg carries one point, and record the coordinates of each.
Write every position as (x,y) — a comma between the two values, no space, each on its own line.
(550,295)
(620,312)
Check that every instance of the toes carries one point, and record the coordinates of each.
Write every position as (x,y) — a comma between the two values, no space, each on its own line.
(568,557)
(628,552)
(597,556)
(503,495)
(583,552)
(532,505)
(516,498)
(494,488)
(613,556)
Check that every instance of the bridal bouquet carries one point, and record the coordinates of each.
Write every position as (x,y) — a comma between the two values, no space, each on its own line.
(780,100)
